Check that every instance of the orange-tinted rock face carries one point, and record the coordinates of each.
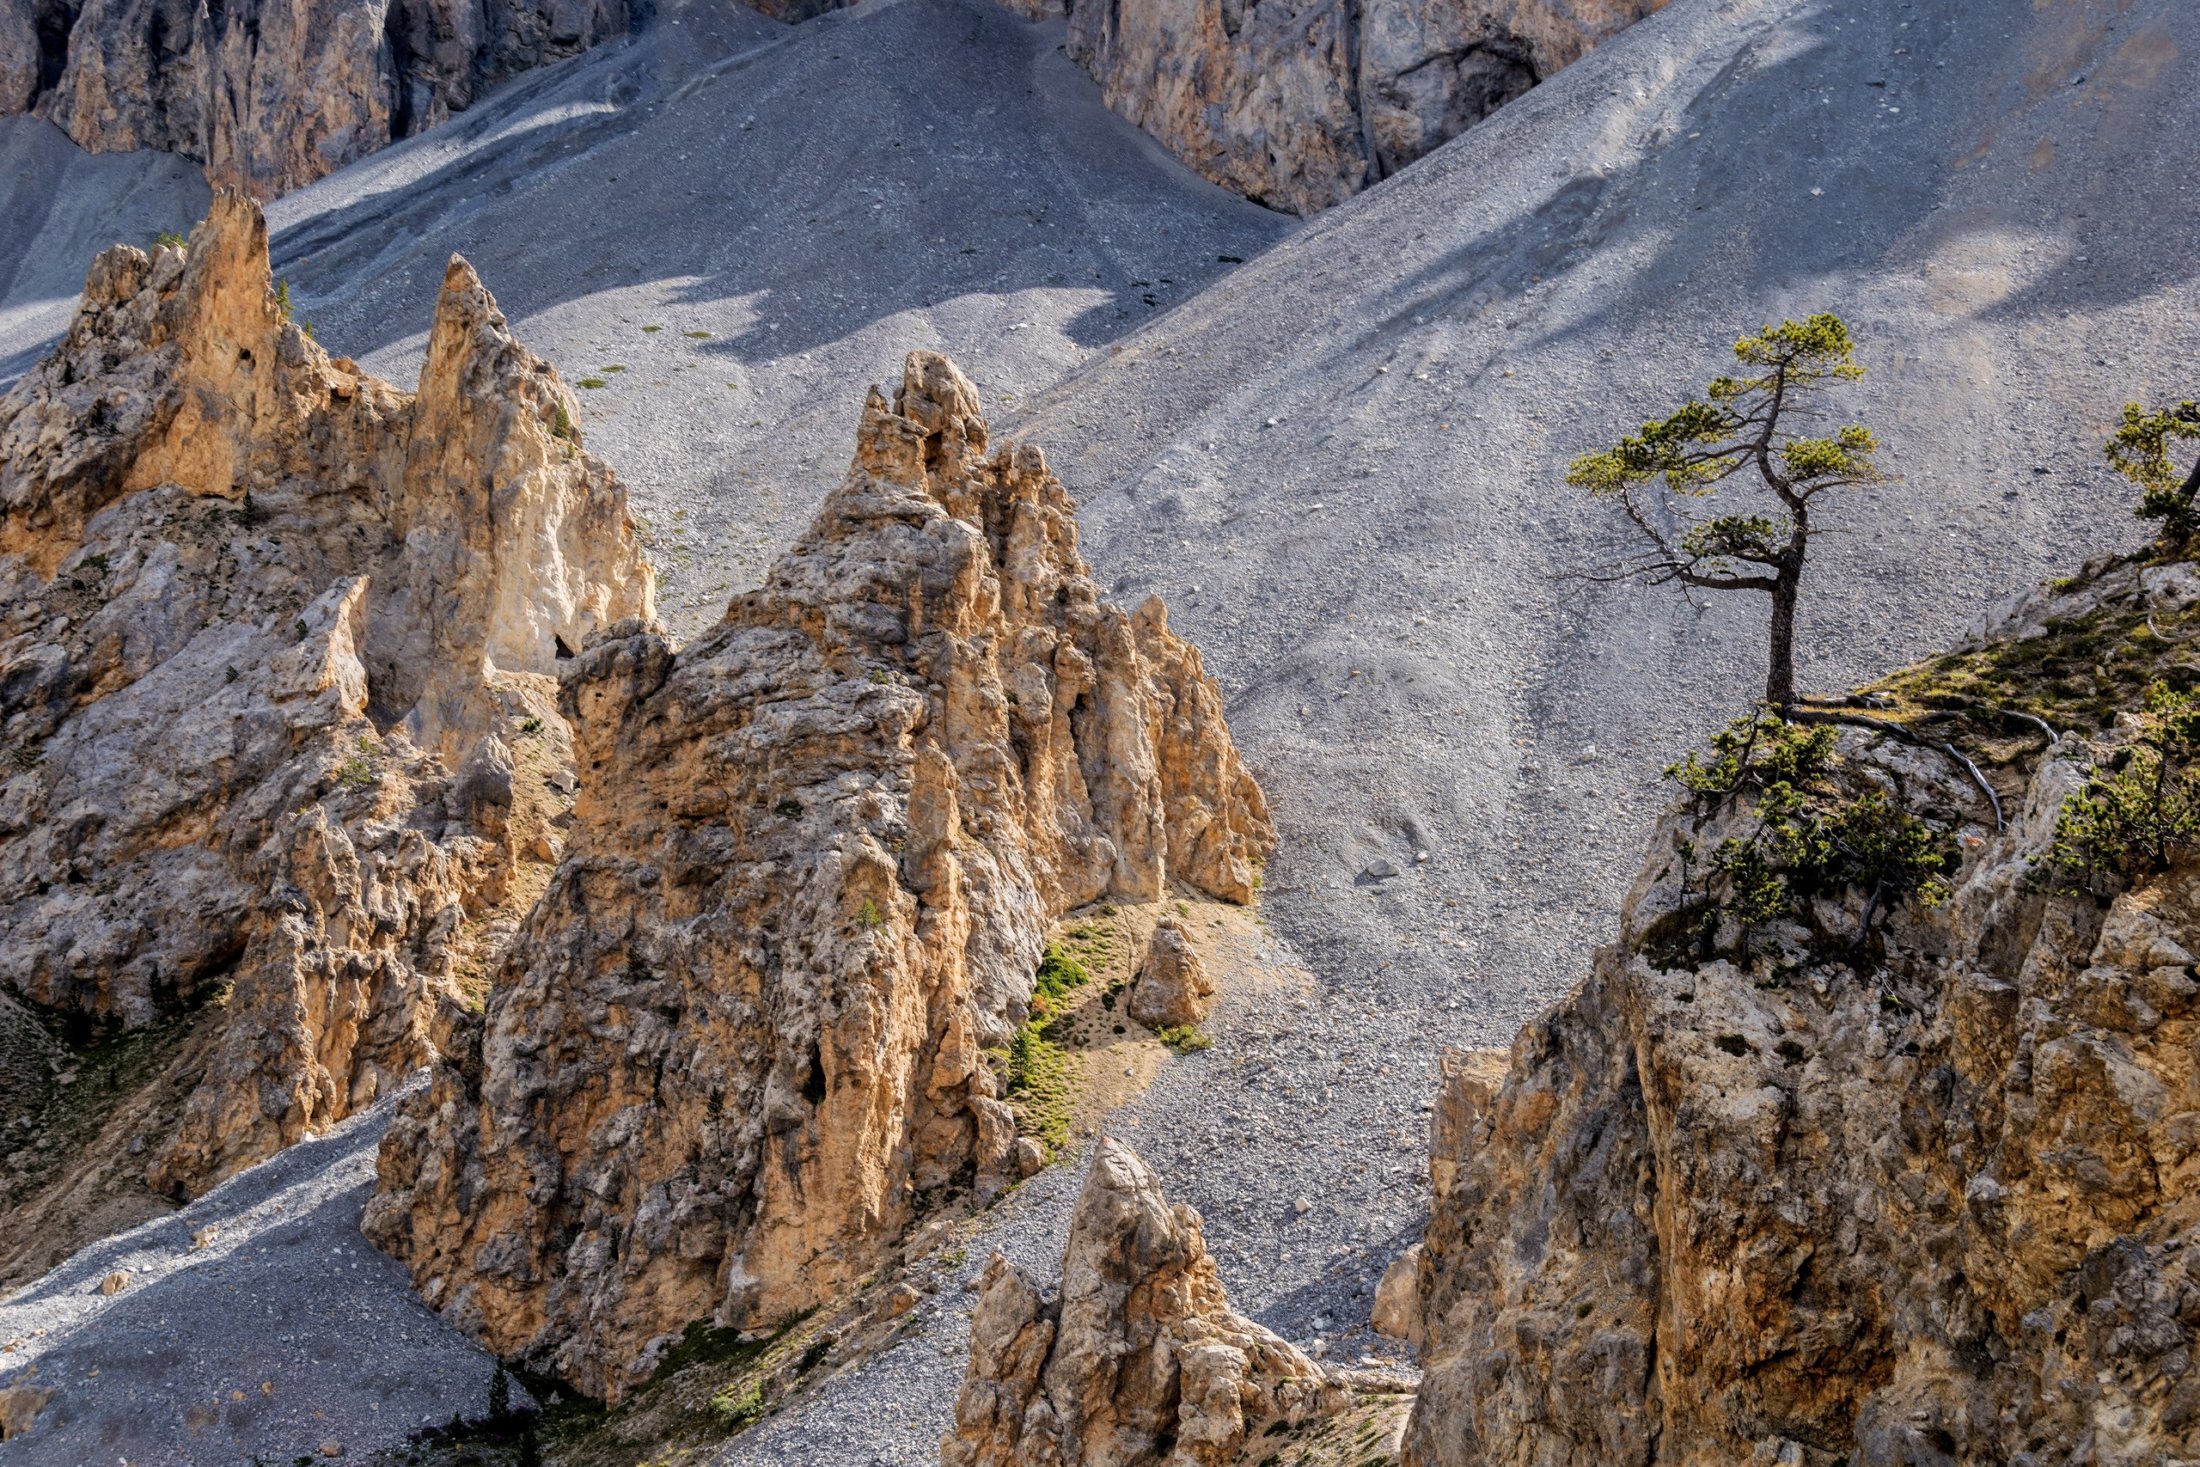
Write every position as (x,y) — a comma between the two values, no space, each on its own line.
(273,94)
(1932,1205)
(270,631)
(741,1039)
(1139,1361)
(1300,106)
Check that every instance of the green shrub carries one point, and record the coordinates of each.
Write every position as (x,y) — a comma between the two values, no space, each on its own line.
(2141,813)
(737,1406)
(1041,1083)
(1185,1038)
(1058,975)
(1806,835)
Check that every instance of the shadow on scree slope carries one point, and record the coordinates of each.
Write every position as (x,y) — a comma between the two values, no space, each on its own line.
(869,162)
(1742,225)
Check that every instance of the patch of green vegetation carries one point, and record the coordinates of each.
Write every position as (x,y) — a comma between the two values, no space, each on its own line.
(2078,673)
(1059,974)
(1805,832)
(168,239)
(1185,1038)
(739,1405)
(561,421)
(615,367)
(1041,1086)
(592,383)
(653,328)
(282,298)
(696,335)
(2140,813)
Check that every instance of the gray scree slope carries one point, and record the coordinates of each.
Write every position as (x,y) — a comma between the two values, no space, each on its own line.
(1350,447)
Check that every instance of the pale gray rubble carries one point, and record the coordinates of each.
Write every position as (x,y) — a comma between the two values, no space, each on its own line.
(60,206)
(279,1332)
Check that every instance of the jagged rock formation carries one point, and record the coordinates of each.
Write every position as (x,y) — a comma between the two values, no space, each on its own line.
(1299,107)
(1933,1207)
(274,639)
(270,96)
(744,1034)
(1139,1360)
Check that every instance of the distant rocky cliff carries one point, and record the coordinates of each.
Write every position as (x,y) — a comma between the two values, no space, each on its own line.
(274,700)
(744,1037)
(272,96)
(1300,106)
(1778,1186)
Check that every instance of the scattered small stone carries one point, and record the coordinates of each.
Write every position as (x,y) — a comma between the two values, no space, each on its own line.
(114,1283)
(1377,870)
(203,1237)
(332,1448)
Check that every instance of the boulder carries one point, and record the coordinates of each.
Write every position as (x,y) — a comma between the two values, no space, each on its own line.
(1172,988)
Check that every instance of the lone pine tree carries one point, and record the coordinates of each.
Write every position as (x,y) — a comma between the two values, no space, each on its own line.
(1740,438)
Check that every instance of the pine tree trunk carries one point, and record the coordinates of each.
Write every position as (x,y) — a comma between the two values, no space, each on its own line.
(1780,676)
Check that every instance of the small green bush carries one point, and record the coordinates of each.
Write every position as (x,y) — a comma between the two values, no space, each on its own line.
(1808,836)
(737,1406)
(592,383)
(2141,813)
(1185,1038)
(1058,975)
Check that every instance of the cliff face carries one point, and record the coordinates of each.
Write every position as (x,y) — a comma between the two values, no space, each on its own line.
(1926,1201)
(743,1037)
(274,646)
(1139,1361)
(1301,106)
(273,94)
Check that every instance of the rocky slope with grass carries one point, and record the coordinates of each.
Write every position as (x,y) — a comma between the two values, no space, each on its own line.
(271,96)
(765,1013)
(275,703)
(1874,1137)
(1301,106)
(1138,1360)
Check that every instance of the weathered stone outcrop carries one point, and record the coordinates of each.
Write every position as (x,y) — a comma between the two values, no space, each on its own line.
(1301,106)
(274,638)
(1139,1360)
(1172,988)
(742,1038)
(273,94)
(1933,1207)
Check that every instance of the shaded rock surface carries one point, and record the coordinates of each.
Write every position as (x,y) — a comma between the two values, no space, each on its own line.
(274,640)
(1934,1206)
(816,852)
(1299,106)
(273,95)
(1138,1360)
